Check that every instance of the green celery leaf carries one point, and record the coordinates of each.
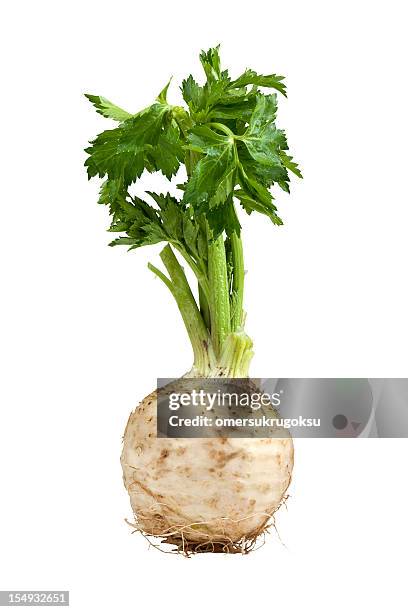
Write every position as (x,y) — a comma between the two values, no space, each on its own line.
(250,77)
(169,153)
(210,61)
(162,97)
(172,218)
(223,218)
(262,158)
(170,222)
(261,138)
(266,173)
(212,170)
(255,197)
(201,99)
(288,162)
(117,154)
(264,113)
(239,109)
(193,94)
(147,140)
(190,234)
(108,109)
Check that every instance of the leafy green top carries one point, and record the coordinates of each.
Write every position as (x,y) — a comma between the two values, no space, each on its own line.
(226,138)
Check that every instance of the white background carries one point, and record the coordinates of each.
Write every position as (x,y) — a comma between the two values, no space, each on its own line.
(86,329)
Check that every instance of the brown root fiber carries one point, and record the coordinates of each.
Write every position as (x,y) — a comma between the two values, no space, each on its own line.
(176,540)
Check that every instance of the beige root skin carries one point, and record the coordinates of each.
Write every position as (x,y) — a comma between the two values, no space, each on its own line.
(202,495)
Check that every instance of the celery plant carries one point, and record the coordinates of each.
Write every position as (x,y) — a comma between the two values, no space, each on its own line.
(233,153)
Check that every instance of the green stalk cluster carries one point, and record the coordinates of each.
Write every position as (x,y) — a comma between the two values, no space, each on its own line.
(220,345)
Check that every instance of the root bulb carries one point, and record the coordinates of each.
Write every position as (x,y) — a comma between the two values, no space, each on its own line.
(202,494)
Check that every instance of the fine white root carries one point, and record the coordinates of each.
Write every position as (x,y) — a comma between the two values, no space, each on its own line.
(180,544)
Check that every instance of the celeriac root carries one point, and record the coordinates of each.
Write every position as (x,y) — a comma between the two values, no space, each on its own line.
(202,494)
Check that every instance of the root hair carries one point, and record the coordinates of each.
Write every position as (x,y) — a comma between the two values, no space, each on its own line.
(176,540)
